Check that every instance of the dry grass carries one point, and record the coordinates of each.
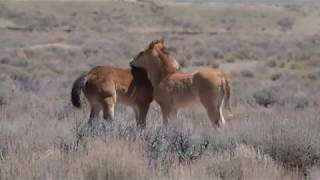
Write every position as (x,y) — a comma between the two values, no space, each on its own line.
(272,144)
(270,53)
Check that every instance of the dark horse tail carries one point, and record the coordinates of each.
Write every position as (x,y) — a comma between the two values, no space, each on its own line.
(76,90)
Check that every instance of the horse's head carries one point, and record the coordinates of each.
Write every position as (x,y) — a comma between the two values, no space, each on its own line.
(155,56)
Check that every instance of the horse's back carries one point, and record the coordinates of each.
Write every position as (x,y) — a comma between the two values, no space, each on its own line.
(176,90)
(103,74)
(208,75)
(112,81)
(108,81)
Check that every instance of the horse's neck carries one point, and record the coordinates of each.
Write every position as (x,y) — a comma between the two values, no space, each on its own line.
(166,65)
(156,77)
(158,74)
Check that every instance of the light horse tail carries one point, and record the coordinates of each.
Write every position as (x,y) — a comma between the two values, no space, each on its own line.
(78,85)
(227,95)
(221,101)
(224,101)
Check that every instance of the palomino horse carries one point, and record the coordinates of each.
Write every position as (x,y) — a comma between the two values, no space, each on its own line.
(174,89)
(104,86)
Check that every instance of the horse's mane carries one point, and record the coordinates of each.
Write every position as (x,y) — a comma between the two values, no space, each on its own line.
(164,57)
(139,75)
(139,80)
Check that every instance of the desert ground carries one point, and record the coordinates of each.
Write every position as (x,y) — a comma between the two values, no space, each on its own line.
(270,51)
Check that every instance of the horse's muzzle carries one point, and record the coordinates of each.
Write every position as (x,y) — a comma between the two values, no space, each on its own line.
(131,63)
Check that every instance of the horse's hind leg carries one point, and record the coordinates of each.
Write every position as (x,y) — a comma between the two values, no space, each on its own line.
(214,109)
(94,115)
(95,111)
(165,115)
(108,106)
(213,114)
(168,113)
(141,112)
(136,110)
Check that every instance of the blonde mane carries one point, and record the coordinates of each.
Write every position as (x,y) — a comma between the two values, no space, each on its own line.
(165,60)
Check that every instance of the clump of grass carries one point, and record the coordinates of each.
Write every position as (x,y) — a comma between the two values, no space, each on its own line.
(26,82)
(276,76)
(266,97)
(214,64)
(230,60)
(293,66)
(233,165)
(114,159)
(3,101)
(185,63)
(282,65)
(297,102)
(271,64)
(285,24)
(247,73)
(26,21)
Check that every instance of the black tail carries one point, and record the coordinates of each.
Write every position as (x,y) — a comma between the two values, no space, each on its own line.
(76,90)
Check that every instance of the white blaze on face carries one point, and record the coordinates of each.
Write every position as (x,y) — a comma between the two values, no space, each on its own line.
(175,64)
(131,62)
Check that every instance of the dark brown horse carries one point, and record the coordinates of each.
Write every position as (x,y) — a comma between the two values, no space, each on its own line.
(104,86)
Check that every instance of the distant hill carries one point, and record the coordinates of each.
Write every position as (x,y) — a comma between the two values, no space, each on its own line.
(252,1)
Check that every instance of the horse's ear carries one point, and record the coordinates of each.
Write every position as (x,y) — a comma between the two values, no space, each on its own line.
(162,40)
(151,45)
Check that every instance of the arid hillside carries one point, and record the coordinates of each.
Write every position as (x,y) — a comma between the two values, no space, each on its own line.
(270,52)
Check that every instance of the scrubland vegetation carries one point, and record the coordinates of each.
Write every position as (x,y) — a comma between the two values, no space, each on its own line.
(270,52)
